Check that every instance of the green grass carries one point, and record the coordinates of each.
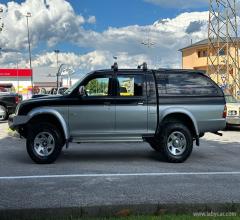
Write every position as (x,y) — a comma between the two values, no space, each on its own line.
(165,217)
(160,217)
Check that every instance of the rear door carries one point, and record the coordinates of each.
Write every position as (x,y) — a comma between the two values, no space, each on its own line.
(131,104)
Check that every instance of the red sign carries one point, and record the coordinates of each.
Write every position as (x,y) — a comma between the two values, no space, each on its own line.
(15,72)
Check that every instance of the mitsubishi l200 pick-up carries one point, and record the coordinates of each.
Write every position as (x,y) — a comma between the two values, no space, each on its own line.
(169,109)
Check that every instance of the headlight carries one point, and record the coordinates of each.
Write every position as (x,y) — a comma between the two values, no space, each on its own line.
(232,113)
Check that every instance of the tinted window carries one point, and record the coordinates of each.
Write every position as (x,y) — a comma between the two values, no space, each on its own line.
(185,84)
(130,85)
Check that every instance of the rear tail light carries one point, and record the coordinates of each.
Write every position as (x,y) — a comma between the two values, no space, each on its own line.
(225,112)
(17,99)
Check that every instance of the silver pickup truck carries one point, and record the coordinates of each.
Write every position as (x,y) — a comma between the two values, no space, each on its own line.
(169,109)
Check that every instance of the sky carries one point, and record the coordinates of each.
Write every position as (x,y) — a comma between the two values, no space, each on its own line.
(89,33)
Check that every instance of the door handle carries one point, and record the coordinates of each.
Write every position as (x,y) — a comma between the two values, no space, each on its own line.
(140,103)
(107,103)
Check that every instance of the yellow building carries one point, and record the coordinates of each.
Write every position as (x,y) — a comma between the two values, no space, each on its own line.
(195,56)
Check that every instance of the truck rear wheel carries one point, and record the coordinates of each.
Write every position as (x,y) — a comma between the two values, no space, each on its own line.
(44,142)
(175,142)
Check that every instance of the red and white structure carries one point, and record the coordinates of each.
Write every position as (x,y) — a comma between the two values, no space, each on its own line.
(19,78)
(43,77)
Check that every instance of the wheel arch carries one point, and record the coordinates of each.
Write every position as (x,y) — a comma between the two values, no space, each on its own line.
(182,115)
(51,115)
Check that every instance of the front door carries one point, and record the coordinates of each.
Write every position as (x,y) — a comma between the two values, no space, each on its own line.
(131,105)
(94,116)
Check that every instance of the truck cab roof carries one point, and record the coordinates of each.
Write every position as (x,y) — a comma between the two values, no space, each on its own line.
(169,71)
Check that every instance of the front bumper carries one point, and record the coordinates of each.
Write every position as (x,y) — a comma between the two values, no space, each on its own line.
(233,120)
(14,121)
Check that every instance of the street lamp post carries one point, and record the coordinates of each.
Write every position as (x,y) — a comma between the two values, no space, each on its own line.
(1,23)
(59,72)
(28,15)
(57,52)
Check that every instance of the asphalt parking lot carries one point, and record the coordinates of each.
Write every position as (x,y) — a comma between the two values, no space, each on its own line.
(114,174)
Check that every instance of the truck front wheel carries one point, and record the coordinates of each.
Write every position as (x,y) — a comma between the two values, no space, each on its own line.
(44,142)
(175,142)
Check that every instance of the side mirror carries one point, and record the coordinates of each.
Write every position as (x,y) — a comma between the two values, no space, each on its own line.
(82,91)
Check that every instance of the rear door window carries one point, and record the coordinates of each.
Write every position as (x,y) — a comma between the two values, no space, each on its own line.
(130,85)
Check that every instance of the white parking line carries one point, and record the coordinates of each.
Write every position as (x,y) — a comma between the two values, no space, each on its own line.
(117,175)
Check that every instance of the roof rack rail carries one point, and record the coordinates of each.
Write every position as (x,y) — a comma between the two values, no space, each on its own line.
(143,66)
(114,66)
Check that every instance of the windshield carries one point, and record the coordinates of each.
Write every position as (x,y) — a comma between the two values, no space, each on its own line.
(230,99)
(74,86)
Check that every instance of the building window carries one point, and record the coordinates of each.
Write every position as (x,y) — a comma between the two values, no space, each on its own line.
(202,53)
(199,53)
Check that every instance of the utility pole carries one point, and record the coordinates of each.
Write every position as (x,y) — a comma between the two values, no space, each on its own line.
(223,46)
(57,52)
(1,19)
(28,15)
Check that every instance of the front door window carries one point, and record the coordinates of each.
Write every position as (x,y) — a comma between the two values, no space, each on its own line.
(98,87)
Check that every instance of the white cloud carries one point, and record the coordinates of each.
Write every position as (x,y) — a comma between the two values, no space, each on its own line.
(168,35)
(180,4)
(56,22)
(52,21)
(91,19)
(81,63)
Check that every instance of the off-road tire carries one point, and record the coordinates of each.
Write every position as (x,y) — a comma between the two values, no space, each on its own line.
(155,144)
(160,143)
(36,128)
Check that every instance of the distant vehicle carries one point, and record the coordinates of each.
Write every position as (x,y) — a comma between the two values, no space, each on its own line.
(8,100)
(53,91)
(61,90)
(233,110)
(8,104)
(42,92)
(7,88)
(58,91)
(169,109)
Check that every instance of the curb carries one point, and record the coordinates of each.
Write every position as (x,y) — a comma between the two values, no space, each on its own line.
(120,211)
